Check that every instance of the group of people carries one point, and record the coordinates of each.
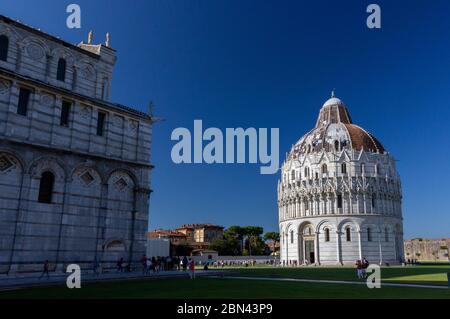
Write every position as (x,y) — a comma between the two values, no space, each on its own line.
(156,264)
(361,267)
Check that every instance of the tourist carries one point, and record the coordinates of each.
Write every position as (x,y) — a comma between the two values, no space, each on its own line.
(365,265)
(185,263)
(144,264)
(148,266)
(45,270)
(120,265)
(154,264)
(96,266)
(191,266)
(358,265)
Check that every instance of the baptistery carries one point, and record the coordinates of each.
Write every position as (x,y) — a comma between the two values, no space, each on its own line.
(339,195)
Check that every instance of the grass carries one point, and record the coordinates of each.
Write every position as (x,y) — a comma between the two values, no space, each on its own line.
(434,275)
(181,288)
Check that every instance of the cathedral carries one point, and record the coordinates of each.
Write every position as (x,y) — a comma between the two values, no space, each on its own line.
(74,166)
(339,196)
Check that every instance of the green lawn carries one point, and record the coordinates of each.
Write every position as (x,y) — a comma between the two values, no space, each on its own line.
(223,288)
(435,275)
(181,288)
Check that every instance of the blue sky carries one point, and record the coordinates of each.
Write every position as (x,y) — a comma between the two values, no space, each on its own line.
(272,64)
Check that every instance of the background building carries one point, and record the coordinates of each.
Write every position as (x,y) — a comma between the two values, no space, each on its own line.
(196,237)
(74,167)
(427,249)
(339,195)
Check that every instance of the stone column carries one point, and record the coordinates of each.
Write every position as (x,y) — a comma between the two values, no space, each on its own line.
(316,249)
(65,206)
(338,248)
(12,268)
(360,244)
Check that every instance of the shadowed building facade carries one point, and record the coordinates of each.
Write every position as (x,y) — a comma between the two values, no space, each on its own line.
(339,195)
(74,167)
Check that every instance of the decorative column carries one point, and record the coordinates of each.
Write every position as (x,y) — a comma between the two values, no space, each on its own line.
(338,247)
(316,249)
(65,205)
(360,244)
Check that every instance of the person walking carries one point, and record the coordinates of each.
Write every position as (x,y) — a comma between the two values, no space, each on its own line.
(364,265)
(45,270)
(185,263)
(96,267)
(120,265)
(358,265)
(144,264)
(191,266)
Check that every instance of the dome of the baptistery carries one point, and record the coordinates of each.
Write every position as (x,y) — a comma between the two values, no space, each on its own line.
(335,131)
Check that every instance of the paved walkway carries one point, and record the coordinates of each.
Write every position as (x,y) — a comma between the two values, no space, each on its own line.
(32,280)
(323,281)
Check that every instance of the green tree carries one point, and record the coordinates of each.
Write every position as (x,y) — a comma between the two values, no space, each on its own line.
(273,238)
(226,247)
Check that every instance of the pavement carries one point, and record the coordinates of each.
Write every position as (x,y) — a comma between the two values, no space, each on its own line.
(348,282)
(29,280)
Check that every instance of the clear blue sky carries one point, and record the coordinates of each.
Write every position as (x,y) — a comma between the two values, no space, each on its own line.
(272,64)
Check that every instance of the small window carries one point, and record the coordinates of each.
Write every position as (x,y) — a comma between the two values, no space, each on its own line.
(100,123)
(327,234)
(369,234)
(377,169)
(317,175)
(292,236)
(336,145)
(61,73)
(386,235)
(65,113)
(4,45)
(339,201)
(24,97)
(293,175)
(306,205)
(348,234)
(324,169)
(344,168)
(374,198)
(46,187)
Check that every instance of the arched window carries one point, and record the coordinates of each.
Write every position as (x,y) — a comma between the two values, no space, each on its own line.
(348,235)
(336,145)
(344,168)
(377,169)
(317,175)
(327,234)
(369,234)
(306,172)
(4,45)
(61,73)
(324,169)
(293,175)
(339,201)
(292,236)
(386,235)
(46,187)
(374,198)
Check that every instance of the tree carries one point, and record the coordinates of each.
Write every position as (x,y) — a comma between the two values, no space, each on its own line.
(253,236)
(226,247)
(236,232)
(273,237)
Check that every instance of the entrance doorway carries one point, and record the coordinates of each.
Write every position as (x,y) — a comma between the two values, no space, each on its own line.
(309,251)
